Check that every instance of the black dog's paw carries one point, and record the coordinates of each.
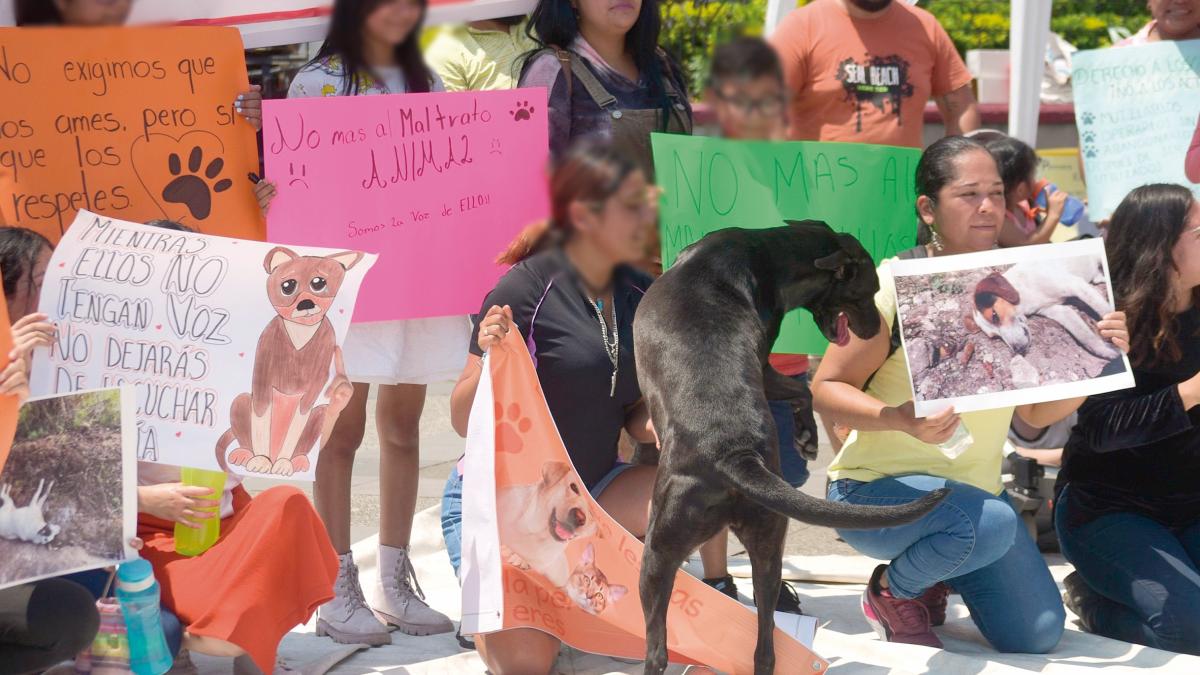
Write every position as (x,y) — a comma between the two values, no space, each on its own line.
(192,190)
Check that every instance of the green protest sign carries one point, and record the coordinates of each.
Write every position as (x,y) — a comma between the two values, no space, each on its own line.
(713,183)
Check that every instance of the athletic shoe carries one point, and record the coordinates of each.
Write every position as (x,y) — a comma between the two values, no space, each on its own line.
(935,599)
(896,619)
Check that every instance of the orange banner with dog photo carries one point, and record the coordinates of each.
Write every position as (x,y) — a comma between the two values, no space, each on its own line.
(578,583)
(131,123)
(8,404)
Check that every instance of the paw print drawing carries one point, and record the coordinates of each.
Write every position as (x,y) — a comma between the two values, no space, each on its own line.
(190,189)
(1090,153)
(1088,137)
(511,425)
(523,112)
(1088,118)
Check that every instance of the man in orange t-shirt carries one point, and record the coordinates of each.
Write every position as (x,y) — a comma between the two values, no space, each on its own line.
(861,71)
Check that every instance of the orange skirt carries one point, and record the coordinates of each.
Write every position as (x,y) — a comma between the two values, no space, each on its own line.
(269,571)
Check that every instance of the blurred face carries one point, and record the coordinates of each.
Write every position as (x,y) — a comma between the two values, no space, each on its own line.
(93,12)
(24,299)
(392,21)
(750,109)
(618,226)
(968,211)
(1187,253)
(1175,18)
(609,16)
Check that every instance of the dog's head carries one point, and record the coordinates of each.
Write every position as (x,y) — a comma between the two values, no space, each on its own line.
(563,495)
(839,289)
(998,314)
(29,521)
(303,287)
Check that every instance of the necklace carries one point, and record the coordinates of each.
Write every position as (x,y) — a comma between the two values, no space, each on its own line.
(613,347)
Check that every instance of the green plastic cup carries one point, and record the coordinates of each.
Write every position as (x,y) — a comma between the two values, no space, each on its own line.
(194,541)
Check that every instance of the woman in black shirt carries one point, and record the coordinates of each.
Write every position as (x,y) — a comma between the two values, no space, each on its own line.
(572,293)
(1128,508)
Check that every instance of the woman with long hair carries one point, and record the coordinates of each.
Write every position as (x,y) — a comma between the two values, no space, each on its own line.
(973,541)
(1127,510)
(373,48)
(572,293)
(607,78)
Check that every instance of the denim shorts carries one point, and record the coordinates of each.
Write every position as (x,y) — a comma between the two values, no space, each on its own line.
(452,508)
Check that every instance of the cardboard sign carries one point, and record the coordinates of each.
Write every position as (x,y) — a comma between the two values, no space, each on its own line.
(438,183)
(232,347)
(68,495)
(133,123)
(8,404)
(584,590)
(1136,111)
(711,184)
(1007,327)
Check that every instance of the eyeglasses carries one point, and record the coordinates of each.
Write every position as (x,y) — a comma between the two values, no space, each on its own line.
(768,107)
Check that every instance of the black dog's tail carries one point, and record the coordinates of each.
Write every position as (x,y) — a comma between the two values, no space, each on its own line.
(756,482)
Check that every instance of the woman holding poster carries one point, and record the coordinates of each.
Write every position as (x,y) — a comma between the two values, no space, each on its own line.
(1128,504)
(573,294)
(372,48)
(607,78)
(974,541)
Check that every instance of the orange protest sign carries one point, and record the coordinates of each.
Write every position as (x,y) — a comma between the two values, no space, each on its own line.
(134,123)
(8,404)
(539,552)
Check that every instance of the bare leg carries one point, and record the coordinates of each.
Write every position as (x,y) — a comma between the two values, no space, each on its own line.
(398,418)
(211,646)
(714,555)
(331,491)
(519,651)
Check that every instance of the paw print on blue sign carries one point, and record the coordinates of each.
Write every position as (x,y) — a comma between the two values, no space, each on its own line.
(1088,137)
(1088,118)
(1090,153)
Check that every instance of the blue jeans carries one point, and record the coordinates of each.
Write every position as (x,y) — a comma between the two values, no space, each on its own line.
(1144,577)
(452,518)
(975,542)
(792,466)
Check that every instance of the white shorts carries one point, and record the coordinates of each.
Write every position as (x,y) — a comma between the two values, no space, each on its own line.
(411,351)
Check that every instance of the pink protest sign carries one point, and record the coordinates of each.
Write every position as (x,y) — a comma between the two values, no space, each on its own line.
(436,184)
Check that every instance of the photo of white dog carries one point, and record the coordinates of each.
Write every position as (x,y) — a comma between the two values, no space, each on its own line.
(27,523)
(1007,327)
(68,490)
(538,520)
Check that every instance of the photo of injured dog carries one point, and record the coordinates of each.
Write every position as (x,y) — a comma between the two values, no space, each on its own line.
(67,493)
(1007,327)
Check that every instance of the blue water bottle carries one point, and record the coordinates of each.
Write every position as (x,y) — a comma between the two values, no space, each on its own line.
(1072,210)
(137,591)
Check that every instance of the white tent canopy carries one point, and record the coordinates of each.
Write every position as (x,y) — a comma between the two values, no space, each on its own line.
(1028,33)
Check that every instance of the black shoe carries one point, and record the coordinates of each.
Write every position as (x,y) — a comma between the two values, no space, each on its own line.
(1075,598)
(725,585)
(789,600)
(465,643)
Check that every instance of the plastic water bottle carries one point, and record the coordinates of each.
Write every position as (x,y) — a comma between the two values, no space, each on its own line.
(958,443)
(1072,210)
(137,591)
(191,541)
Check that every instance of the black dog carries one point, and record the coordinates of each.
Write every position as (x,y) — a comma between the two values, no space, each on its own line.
(702,335)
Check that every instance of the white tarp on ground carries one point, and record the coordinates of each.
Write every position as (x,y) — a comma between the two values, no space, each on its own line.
(844,639)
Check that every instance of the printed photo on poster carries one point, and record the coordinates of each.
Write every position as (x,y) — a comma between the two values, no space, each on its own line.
(232,348)
(1007,327)
(68,498)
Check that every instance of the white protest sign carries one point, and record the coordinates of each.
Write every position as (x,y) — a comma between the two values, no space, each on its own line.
(232,347)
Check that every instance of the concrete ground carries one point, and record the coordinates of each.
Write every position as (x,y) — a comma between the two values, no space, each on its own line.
(441,448)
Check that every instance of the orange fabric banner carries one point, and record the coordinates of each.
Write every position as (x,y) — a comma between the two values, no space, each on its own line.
(539,552)
(132,123)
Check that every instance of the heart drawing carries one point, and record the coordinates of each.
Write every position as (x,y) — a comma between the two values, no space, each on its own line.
(185,175)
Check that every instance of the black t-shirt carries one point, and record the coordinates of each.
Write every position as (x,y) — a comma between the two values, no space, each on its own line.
(568,350)
(1138,450)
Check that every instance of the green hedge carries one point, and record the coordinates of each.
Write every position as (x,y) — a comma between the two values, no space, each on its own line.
(691,28)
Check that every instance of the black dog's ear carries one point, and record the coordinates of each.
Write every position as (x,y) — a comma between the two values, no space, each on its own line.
(809,223)
(834,262)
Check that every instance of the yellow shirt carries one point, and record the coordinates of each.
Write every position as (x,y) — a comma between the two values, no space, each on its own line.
(468,59)
(869,455)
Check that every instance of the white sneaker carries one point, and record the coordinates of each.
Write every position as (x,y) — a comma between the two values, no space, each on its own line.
(346,618)
(398,600)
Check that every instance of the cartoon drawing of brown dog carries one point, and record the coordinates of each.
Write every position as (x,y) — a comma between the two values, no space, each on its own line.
(278,422)
(538,520)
